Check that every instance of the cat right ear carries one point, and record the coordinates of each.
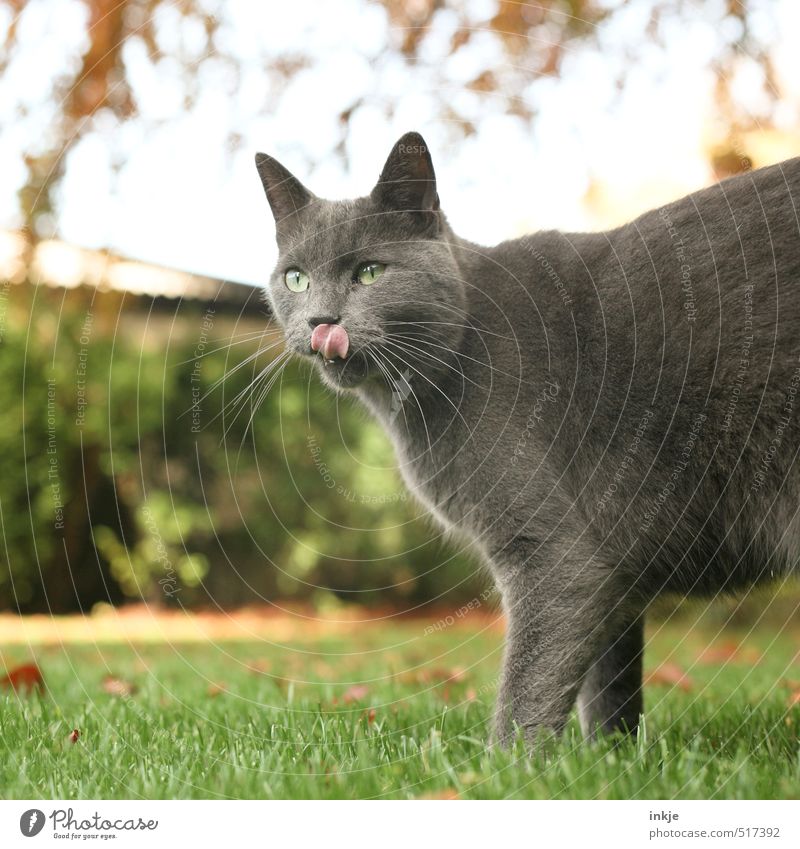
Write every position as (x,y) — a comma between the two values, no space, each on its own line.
(287,196)
(408,183)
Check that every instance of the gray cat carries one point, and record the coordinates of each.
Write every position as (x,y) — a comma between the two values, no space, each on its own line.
(605,417)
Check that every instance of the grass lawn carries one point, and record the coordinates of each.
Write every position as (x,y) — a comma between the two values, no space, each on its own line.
(387,711)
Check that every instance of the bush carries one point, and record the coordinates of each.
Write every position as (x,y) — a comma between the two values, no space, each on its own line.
(129,473)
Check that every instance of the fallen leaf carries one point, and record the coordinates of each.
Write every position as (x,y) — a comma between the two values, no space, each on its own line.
(118,687)
(449,676)
(671,675)
(727,652)
(794,698)
(217,689)
(73,737)
(719,652)
(433,675)
(355,693)
(370,716)
(441,794)
(442,675)
(24,679)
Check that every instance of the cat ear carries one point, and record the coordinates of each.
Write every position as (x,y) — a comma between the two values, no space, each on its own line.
(407,182)
(287,196)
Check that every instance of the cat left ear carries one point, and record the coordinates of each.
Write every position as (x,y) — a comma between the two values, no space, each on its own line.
(408,182)
(287,196)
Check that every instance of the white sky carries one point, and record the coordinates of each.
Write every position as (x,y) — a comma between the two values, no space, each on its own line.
(183,198)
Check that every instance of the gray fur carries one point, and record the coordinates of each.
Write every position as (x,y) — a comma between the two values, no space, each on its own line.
(605,417)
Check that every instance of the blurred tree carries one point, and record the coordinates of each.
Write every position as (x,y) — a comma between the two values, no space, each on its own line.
(179,37)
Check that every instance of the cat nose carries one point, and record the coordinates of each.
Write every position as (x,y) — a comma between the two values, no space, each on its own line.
(323,319)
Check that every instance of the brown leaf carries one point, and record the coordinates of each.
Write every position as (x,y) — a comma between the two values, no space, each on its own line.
(794,697)
(670,675)
(449,676)
(24,679)
(719,652)
(74,735)
(355,693)
(460,38)
(449,793)
(484,82)
(370,716)
(260,666)
(118,687)
(433,675)
(217,689)
(727,652)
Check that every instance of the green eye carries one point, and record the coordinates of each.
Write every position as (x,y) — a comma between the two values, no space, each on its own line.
(296,280)
(369,272)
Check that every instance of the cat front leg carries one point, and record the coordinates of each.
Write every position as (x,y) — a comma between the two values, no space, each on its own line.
(557,617)
(611,696)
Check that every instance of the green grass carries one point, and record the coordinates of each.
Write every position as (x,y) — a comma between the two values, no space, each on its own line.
(281,727)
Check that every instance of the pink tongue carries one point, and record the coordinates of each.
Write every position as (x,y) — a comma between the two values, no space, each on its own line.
(331,340)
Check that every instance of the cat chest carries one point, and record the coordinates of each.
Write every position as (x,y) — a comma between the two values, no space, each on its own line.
(451,496)
(455,481)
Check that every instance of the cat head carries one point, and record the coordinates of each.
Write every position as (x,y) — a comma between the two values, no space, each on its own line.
(358,281)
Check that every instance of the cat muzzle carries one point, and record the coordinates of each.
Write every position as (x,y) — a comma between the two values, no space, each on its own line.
(330,340)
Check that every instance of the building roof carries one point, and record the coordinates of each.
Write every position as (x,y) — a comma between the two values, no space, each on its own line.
(59,264)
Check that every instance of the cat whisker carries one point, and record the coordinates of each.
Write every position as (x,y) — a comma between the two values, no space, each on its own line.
(262,395)
(460,354)
(268,381)
(437,388)
(230,372)
(402,342)
(241,397)
(404,381)
(478,330)
(249,337)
